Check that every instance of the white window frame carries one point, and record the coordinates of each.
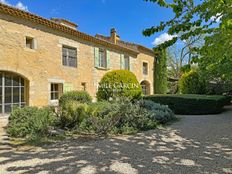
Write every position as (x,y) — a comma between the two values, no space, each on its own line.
(55,101)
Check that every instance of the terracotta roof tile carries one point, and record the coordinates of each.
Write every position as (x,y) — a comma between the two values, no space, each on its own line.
(39,20)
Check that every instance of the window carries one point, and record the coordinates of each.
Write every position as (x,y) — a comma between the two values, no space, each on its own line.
(30,43)
(69,56)
(56,91)
(102,58)
(83,84)
(145,68)
(127,62)
(145,87)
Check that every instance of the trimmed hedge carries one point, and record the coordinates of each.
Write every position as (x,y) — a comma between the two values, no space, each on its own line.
(190,104)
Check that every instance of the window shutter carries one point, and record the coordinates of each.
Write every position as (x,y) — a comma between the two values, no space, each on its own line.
(96,56)
(108,59)
(130,64)
(122,61)
(35,45)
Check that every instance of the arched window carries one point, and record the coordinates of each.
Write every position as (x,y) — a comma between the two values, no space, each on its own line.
(145,87)
(13,91)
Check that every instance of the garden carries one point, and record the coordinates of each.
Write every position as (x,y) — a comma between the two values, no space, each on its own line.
(200,71)
(119,110)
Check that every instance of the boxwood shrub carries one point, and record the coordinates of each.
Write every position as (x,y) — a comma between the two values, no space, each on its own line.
(191,104)
(119,83)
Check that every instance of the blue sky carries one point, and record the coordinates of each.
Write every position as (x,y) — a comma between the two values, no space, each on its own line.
(129,17)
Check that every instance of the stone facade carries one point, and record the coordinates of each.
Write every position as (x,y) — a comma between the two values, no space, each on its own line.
(42,65)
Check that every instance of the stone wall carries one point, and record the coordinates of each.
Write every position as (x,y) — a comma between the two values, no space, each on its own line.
(43,65)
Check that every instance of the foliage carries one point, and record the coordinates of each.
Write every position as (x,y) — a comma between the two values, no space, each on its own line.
(161,80)
(80,96)
(192,83)
(191,104)
(72,113)
(180,56)
(161,113)
(120,116)
(211,18)
(219,88)
(173,87)
(30,122)
(186,68)
(119,83)
(217,57)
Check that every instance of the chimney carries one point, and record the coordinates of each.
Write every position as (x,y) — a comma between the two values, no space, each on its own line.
(65,23)
(113,36)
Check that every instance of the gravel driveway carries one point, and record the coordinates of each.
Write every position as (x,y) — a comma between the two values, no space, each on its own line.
(196,144)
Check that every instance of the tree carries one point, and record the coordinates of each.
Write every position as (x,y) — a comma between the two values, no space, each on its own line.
(212,18)
(161,79)
(180,57)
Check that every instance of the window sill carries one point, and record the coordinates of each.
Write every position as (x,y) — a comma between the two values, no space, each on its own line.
(29,49)
(70,67)
(102,68)
(54,102)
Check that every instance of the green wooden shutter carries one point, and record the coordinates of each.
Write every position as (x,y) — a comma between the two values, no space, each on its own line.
(131,64)
(96,56)
(108,59)
(122,61)
(67,87)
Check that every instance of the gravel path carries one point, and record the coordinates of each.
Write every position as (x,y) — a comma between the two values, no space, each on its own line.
(196,144)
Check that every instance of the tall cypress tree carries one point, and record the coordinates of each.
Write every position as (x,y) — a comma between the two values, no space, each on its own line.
(161,77)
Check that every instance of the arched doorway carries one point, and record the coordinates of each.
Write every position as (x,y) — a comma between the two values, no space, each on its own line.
(145,87)
(13,91)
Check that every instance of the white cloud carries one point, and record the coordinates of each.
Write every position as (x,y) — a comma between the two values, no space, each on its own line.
(19,5)
(4,2)
(216,18)
(163,38)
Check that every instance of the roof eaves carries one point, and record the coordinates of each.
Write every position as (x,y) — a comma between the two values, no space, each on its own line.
(37,19)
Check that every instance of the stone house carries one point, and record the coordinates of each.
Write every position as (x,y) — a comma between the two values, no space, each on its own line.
(40,59)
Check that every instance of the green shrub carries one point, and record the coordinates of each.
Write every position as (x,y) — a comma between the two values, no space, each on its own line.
(192,83)
(191,104)
(119,83)
(30,122)
(134,116)
(161,113)
(121,117)
(80,96)
(72,113)
(101,118)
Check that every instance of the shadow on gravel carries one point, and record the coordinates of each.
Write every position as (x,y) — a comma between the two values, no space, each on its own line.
(193,145)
